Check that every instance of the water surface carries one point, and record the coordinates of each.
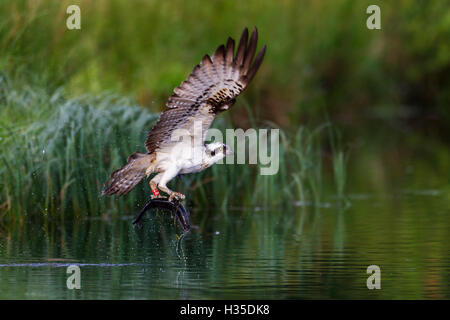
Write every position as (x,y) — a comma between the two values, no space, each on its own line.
(308,253)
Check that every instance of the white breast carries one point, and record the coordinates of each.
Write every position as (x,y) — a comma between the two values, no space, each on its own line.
(186,158)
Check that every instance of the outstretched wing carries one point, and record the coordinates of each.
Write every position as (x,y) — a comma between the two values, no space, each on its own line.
(211,88)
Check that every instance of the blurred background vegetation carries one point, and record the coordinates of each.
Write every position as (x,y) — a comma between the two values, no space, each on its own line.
(321,55)
(67,96)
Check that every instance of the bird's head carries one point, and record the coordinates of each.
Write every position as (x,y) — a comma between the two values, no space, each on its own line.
(216,151)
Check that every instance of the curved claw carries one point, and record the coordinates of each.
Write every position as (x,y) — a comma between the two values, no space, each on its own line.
(163,203)
(176,195)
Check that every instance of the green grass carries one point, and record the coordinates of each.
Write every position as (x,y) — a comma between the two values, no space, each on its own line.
(58,152)
(320,56)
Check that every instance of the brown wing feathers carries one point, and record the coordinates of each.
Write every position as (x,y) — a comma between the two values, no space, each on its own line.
(221,69)
(241,49)
(217,81)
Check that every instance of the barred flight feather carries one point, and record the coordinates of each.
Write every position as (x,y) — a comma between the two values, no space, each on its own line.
(212,86)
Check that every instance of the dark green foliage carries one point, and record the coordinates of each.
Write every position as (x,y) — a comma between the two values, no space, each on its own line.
(320,53)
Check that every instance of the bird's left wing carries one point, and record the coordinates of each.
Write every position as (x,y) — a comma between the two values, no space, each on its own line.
(211,88)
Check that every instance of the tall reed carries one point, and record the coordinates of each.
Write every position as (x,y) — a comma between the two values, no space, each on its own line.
(58,152)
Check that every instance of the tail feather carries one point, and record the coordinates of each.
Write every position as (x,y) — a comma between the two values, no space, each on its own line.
(127,177)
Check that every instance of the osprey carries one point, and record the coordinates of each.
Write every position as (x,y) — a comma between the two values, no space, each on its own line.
(175,145)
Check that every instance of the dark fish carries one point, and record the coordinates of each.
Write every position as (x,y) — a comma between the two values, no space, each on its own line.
(180,211)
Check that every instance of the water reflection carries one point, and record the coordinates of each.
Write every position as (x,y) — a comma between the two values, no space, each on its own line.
(311,252)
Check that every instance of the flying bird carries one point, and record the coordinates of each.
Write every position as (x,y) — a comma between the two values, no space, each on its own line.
(176,144)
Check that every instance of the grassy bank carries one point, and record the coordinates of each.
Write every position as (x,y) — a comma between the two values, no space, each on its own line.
(58,152)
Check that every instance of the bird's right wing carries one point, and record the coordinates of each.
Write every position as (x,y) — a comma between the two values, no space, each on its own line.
(211,88)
